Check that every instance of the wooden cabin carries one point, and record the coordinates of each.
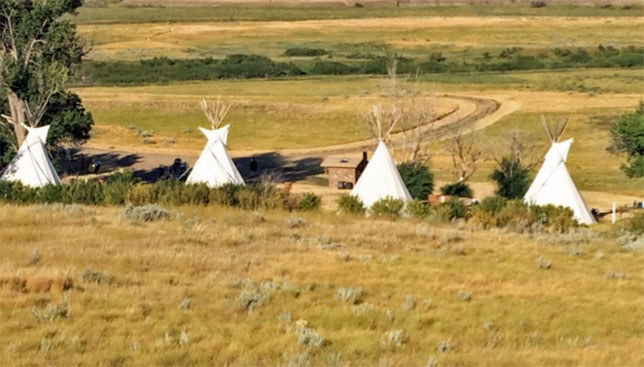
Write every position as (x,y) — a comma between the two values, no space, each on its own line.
(344,172)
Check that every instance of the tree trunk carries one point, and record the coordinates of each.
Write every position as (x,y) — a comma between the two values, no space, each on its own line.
(17,107)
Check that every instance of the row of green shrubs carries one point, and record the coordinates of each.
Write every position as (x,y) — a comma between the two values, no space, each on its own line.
(241,66)
(492,212)
(122,188)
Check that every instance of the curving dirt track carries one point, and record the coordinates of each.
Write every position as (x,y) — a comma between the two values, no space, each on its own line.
(472,113)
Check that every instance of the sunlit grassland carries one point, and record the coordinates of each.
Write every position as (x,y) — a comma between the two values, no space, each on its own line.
(116,14)
(412,37)
(266,114)
(570,314)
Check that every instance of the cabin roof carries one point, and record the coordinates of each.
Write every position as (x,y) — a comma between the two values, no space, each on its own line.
(341,162)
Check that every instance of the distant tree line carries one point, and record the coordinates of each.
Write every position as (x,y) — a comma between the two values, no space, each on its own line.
(315,61)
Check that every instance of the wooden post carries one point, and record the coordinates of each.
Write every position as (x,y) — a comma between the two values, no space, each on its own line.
(613,215)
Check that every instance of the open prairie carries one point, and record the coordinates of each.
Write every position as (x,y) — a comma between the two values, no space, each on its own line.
(216,286)
(409,36)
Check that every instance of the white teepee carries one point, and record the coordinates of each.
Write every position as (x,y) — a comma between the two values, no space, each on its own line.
(380,179)
(31,165)
(214,166)
(553,184)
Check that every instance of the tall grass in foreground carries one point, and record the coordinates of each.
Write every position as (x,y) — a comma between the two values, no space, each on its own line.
(212,286)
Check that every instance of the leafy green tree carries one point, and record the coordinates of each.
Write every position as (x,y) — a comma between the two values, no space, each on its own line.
(418,179)
(39,51)
(512,178)
(628,137)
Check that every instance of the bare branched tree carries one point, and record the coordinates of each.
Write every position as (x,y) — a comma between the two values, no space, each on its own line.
(467,154)
(408,114)
(216,112)
(515,148)
(381,122)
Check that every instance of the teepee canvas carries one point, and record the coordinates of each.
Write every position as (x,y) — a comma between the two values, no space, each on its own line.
(553,184)
(380,179)
(31,166)
(214,166)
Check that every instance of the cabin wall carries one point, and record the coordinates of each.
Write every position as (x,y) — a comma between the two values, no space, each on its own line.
(338,174)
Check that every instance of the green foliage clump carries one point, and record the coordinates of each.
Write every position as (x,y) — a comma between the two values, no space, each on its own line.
(310,202)
(558,218)
(304,51)
(458,189)
(636,225)
(332,68)
(516,215)
(117,187)
(628,136)
(83,192)
(417,209)
(350,204)
(387,207)
(451,209)
(512,179)
(418,179)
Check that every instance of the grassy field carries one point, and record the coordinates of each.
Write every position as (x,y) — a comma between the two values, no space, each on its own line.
(125,309)
(204,13)
(412,37)
(271,114)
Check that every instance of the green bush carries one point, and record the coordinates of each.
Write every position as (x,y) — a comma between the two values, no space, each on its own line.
(331,68)
(483,218)
(458,189)
(139,194)
(417,209)
(418,179)
(50,194)
(168,192)
(493,204)
(303,51)
(225,195)
(636,225)
(512,179)
(387,207)
(350,204)
(195,194)
(517,216)
(559,218)
(451,209)
(310,202)
(247,198)
(628,136)
(83,192)
(117,186)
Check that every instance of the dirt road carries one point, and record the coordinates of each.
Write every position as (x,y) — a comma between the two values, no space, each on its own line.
(471,113)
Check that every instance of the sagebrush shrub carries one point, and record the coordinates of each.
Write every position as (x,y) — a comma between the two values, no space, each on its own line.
(387,207)
(417,209)
(139,194)
(450,209)
(636,225)
(350,204)
(309,202)
(349,294)
(559,218)
(307,335)
(148,213)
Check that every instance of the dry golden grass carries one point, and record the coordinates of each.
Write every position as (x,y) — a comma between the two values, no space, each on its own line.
(135,41)
(571,314)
